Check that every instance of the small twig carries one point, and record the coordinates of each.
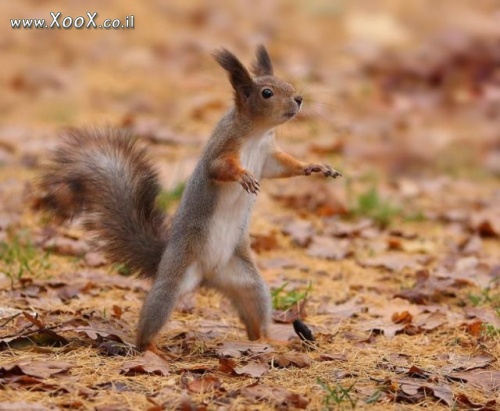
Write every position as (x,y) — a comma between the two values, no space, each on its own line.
(29,332)
(10,319)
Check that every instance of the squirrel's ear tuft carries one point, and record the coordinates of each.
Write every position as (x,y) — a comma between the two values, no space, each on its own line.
(262,65)
(238,75)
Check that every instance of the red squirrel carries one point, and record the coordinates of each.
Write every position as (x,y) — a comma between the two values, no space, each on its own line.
(105,176)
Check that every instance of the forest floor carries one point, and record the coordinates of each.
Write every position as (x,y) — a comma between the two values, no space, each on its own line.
(395,267)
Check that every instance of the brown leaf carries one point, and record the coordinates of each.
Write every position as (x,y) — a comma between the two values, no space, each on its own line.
(464,400)
(264,242)
(332,357)
(21,405)
(112,348)
(414,391)
(386,313)
(38,369)
(36,80)
(98,332)
(345,310)
(187,404)
(429,288)
(301,232)
(484,315)
(403,317)
(33,383)
(292,358)
(237,349)
(204,384)
(40,338)
(288,316)
(278,263)
(117,311)
(35,320)
(69,291)
(281,332)
(252,369)
(94,259)
(67,246)
(488,380)
(486,222)
(469,362)
(329,249)
(158,133)
(347,229)
(431,321)
(317,196)
(389,329)
(148,363)
(396,261)
(327,146)
(471,245)
(475,328)
(227,365)
(277,395)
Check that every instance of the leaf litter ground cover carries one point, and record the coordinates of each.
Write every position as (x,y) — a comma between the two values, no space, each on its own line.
(394,270)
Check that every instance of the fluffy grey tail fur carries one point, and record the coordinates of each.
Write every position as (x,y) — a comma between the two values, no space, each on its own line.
(105,176)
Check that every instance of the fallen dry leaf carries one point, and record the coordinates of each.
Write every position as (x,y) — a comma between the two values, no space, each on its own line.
(469,362)
(67,246)
(396,261)
(413,391)
(340,228)
(38,338)
(26,406)
(252,369)
(301,232)
(429,288)
(292,358)
(147,363)
(237,349)
(37,369)
(316,197)
(486,222)
(94,259)
(329,248)
(288,316)
(203,384)
(464,400)
(264,242)
(276,395)
(488,380)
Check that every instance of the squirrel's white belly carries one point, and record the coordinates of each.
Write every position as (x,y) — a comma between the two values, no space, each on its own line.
(232,214)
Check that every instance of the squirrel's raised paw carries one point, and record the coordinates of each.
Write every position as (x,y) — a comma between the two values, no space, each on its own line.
(322,168)
(249,183)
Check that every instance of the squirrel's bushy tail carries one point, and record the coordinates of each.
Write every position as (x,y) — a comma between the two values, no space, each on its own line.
(105,176)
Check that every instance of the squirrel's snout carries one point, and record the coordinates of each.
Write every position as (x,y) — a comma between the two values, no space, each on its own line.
(298,100)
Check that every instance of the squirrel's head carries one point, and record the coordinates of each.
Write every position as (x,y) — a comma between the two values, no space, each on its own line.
(265,98)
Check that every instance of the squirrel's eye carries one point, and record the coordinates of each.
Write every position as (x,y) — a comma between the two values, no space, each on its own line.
(266,93)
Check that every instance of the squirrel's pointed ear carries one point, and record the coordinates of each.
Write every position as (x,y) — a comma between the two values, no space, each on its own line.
(238,75)
(262,65)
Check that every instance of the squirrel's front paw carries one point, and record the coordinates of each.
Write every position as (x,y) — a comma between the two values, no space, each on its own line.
(249,183)
(322,168)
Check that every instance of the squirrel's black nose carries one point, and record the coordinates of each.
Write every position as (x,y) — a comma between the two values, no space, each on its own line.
(298,100)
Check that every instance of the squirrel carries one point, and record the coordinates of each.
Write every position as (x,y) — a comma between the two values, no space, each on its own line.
(107,177)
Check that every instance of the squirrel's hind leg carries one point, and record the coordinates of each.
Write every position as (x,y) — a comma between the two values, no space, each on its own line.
(161,299)
(241,282)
